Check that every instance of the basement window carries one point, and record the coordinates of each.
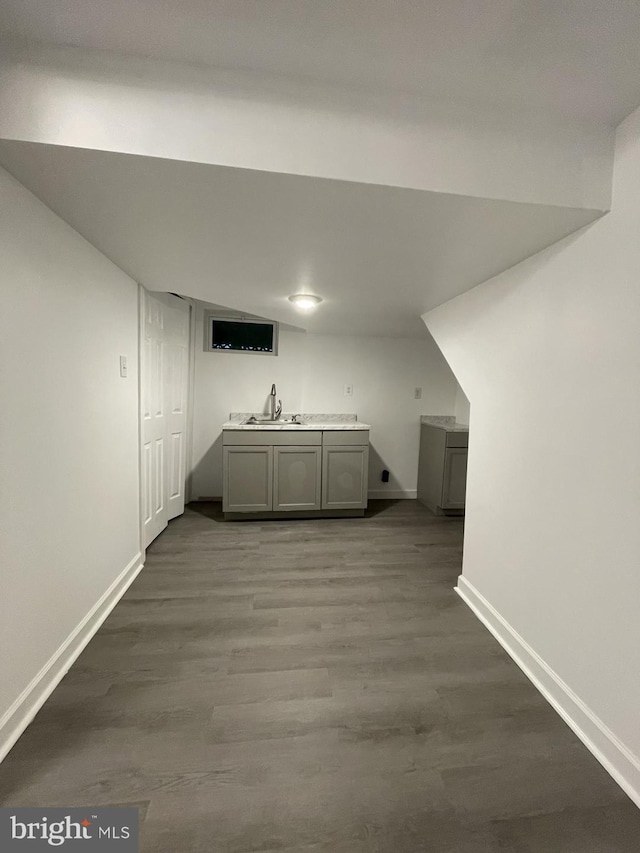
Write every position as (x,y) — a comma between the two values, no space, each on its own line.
(238,334)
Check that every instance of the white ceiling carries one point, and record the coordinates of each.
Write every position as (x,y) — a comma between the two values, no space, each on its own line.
(575,59)
(379,256)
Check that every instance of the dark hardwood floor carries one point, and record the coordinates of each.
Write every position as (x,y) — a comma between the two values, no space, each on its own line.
(314,686)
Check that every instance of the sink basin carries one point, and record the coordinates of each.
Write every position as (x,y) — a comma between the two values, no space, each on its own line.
(267,422)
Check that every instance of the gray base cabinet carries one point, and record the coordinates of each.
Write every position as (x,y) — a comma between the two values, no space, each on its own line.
(344,477)
(247,479)
(296,478)
(442,469)
(274,473)
(454,481)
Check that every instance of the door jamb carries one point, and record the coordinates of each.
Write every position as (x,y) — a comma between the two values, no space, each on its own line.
(141,292)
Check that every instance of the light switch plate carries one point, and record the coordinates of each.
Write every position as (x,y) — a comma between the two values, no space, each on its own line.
(123,366)
(417,393)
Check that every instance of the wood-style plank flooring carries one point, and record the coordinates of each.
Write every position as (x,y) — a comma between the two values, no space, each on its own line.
(314,686)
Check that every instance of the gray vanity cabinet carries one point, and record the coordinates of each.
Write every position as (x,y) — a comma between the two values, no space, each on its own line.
(296,478)
(442,469)
(247,478)
(272,473)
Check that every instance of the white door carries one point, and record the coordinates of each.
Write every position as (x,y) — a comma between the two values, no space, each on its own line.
(164,335)
(176,373)
(154,506)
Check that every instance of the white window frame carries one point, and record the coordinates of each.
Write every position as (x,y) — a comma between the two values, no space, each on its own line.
(208,322)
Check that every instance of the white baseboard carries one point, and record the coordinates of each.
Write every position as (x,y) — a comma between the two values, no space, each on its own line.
(614,756)
(392,494)
(26,706)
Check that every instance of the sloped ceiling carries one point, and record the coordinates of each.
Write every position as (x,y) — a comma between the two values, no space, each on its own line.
(378,256)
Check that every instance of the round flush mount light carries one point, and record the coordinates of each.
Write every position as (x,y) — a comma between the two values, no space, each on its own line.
(306,301)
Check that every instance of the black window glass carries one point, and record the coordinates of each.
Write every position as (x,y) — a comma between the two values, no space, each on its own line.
(233,335)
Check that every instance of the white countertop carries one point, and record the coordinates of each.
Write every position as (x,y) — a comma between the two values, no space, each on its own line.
(318,422)
(446,422)
(280,425)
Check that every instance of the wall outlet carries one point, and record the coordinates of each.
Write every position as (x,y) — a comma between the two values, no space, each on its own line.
(417,393)
(348,390)
(123,366)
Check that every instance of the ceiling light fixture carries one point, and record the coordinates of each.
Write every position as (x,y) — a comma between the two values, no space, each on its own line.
(306,301)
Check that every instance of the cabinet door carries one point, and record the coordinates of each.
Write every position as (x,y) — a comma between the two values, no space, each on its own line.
(345,475)
(454,481)
(296,478)
(247,479)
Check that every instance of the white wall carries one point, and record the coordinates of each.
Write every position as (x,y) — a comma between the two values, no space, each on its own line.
(462,408)
(111,102)
(69,449)
(549,354)
(310,373)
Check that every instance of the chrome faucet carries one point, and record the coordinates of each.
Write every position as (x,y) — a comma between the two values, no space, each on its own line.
(276,411)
